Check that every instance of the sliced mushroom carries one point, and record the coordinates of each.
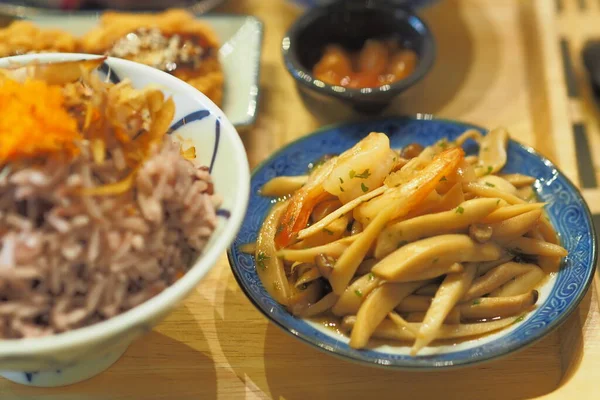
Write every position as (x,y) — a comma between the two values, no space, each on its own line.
(451,290)
(450,200)
(283,185)
(334,249)
(416,259)
(324,208)
(522,283)
(269,267)
(366,266)
(428,290)
(497,182)
(497,307)
(414,303)
(325,264)
(357,228)
(482,190)
(308,276)
(536,247)
(473,134)
(515,227)
(374,309)
(387,329)
(480,233)
(496,278)
(492,152)
(504,213)
(433,224)
(320,306)
(349,302)
(453,317)
(519,180)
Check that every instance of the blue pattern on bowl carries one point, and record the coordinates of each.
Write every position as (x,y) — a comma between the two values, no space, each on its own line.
(566,209)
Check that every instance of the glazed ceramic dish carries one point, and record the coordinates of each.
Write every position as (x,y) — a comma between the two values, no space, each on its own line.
(350,24)
(559,296)
(241,43)
(79,354)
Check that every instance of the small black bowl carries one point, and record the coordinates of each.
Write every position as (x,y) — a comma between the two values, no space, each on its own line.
(350,23)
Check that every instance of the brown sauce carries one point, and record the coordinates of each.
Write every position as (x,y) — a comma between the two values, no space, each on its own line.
(169,53)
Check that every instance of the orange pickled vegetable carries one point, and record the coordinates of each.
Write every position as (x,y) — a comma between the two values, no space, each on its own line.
(334,66)
(373,58)
(402,64)
(34,122)
(379,62)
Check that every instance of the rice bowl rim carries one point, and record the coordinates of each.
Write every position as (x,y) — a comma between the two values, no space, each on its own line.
(168,298)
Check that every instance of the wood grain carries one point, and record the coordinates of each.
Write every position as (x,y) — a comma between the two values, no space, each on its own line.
(498,64)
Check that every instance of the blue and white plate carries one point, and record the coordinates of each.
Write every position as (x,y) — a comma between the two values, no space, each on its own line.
(558,297)
(241,46)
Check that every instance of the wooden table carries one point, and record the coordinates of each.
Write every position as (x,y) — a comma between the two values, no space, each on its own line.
(500,62)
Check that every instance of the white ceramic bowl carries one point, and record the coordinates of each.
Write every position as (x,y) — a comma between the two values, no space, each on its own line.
(82,353)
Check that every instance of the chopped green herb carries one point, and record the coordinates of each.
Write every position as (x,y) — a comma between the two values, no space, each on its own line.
(327,231)
(498,202)
(260,260)
(341,188)
(460,210)
(531,197)
(341,180)
(358,292)
(364,188)
(363,175)
(352,173)
(443,179)
(394,159)
(435,260)
(371,276)
(489,170)
(476,302)
(485,149)
(402,243)
(490,184)
(521,318)
(443,144)
(280,228)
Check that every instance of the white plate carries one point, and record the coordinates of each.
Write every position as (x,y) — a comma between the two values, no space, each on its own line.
(241,39)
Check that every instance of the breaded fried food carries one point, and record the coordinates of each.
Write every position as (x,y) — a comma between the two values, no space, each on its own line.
(173,41)
(22,37)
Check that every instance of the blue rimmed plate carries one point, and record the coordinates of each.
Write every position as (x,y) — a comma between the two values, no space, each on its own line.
(558,297)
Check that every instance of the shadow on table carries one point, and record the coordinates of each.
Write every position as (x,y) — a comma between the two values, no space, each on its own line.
(137,375)
(454,66)
(571,338)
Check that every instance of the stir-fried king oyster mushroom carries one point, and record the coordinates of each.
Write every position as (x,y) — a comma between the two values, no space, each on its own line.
(420,245)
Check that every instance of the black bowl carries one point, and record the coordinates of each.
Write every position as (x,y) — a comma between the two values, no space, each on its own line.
(349,23)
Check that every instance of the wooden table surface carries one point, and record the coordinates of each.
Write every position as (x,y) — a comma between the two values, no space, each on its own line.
(500,62)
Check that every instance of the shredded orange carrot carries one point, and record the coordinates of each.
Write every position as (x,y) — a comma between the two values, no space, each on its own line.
(34,122)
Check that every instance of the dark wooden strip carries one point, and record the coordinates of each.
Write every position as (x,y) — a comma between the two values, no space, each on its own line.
(596,221)
(572,89)
(585,163)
